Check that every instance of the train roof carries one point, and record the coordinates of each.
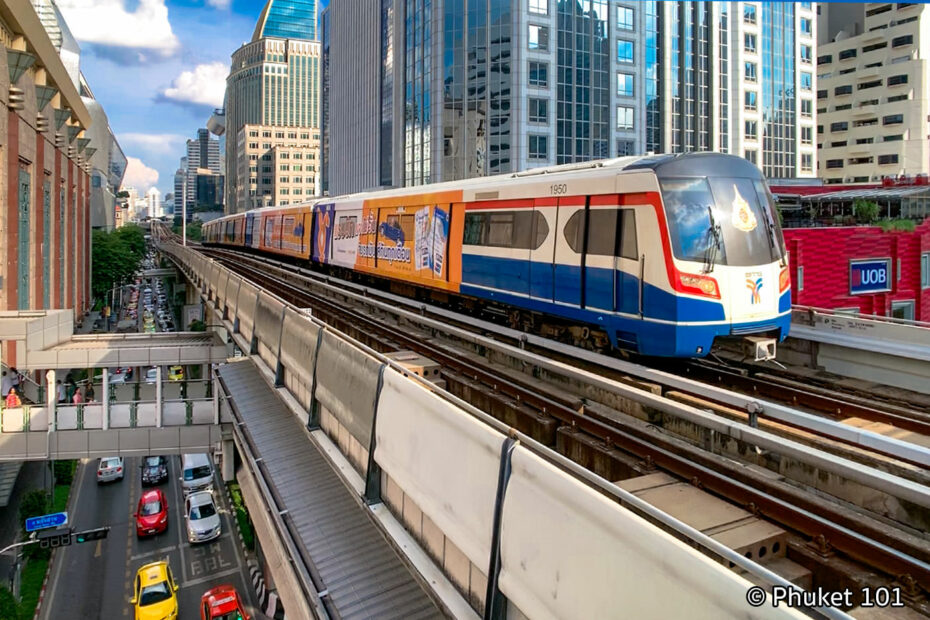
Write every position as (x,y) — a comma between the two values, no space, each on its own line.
(663,166)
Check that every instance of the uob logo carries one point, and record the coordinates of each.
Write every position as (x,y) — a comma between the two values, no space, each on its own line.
(873,276)
(754,286)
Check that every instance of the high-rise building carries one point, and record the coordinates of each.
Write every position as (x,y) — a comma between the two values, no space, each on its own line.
(279,164)
(180,186)
(873,94)
(274,82)
(153,202)
(202,153)
(444,90)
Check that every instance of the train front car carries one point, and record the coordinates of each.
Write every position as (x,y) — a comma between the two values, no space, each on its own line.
(728,254)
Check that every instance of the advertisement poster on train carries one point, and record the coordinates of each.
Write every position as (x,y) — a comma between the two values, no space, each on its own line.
(348,225)
(440,236)
(324,228)
(422,246)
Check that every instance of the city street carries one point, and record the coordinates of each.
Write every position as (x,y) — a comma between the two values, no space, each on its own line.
(94,580)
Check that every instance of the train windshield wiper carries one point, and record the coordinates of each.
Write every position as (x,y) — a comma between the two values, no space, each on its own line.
(713,232)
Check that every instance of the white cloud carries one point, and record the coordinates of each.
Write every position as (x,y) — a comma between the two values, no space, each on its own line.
(160,144)
(219,4)
(139,175)
(109,23)
(205,85)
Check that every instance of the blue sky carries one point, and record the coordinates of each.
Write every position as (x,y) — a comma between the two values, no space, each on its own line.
(159,68)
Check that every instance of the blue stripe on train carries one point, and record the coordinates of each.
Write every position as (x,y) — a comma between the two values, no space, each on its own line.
(563,282)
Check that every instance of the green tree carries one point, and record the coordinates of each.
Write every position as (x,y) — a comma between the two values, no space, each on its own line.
(122,194)
(34,504)
(115,256)
(865,211)
(197,326)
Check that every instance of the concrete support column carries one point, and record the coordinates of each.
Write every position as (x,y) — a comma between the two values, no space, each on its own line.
(229,460)
(216,399)
(105,388)
(51,398)
(158,401)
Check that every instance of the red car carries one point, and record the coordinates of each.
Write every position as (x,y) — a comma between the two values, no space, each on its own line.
(152,514)
(222,603)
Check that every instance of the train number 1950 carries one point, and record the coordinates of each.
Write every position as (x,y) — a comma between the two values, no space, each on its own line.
(558,189)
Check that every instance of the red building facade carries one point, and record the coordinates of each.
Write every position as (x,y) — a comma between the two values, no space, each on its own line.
(44,210)
(862,269)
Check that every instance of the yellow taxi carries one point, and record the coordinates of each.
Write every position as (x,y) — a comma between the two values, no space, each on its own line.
(175,373)
(154,594)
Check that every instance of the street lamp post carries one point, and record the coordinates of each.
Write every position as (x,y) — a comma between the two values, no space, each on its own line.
(184,223)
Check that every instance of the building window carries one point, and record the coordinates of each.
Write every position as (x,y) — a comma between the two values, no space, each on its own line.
(539,147)
(895,138)
(822,94)
(869,140)
(752,130)
(253,145)
(279,135)
(284,179)
(539,110)
(838,144)
(749,43)
(806,26)
(806,54)
(839,126)
(540,7)
(266,145)
(624,85)
(840,108)
(850,70)
(253,134)
(266,134)
(876,46)
(807,80)
(624,117)
(894,80)
(749,99)
(807,162)
(907,39)
(304,136)
(752,156)
(625,148)
(539,74)
(834,163)
(843,90)
(871,84)
(750,70)
(925,270)
(539,37)
(285,168)
(624,51)
(826,59)
(292,136)
(807,135)
(807,108)
(888,159)
(854,161)
(847,54)
(903,97)
(893,119)
(624,18)
(749,14)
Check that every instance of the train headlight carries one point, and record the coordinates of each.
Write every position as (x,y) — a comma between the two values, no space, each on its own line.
(784,280)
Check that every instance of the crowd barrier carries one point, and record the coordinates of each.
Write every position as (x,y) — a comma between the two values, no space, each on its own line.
(539,541)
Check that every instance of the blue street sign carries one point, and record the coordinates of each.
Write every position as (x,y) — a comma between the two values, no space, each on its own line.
(56,519)
(869,276)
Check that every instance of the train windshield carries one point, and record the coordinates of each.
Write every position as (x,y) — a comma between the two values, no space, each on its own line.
(722,221)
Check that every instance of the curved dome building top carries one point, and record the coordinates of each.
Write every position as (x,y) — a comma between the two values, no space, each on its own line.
(287,19)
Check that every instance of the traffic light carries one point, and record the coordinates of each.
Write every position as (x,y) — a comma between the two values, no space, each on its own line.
(60,537)
(95,534)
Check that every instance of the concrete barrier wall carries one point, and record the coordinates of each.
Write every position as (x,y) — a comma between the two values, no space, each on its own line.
(268,313)
(443,459)
(232,293)
(569,551)
(347,385)
(221,286)
(245,309)
(298,354)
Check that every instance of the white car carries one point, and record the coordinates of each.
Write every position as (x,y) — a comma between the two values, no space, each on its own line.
(110,468)
(203,521)
(151,375)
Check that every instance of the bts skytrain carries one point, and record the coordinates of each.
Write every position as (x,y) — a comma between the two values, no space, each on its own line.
(659,255)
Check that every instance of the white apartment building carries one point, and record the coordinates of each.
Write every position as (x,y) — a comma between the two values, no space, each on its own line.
(277,164)
(873,93)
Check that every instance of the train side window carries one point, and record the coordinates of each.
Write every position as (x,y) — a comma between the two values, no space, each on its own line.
(628,245)
(574,231)
(475,228)
(602,231)
(542,230)
(522,230)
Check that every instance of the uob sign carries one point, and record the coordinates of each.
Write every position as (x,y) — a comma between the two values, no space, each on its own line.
(869,276)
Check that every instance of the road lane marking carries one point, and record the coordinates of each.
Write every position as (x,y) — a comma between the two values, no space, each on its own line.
(62,551)
(196,582)
(139,556)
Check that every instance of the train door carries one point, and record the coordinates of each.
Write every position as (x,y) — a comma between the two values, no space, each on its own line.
(600,253)
(569,245)
(542,252)
(630,264)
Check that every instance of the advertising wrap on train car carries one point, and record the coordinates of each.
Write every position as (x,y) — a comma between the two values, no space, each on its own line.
(869,276)
(323,228)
